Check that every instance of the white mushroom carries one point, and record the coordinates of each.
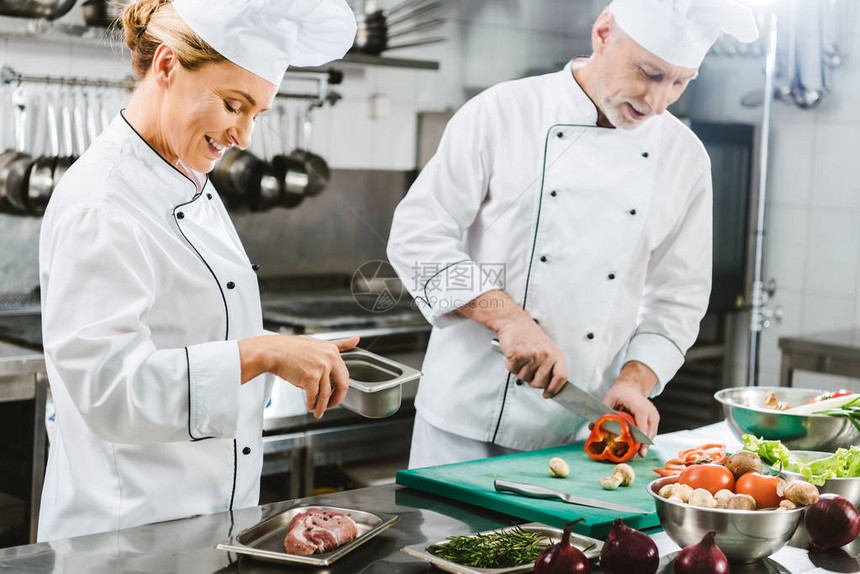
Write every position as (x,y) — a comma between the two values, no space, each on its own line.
(703,498)
(722,497)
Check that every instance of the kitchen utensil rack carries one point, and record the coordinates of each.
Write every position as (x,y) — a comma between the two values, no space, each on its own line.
(323,93)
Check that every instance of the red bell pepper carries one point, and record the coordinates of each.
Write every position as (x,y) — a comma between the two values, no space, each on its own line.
(605,445)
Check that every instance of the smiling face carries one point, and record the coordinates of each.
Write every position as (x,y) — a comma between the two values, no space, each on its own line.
(206,111)
(628,83)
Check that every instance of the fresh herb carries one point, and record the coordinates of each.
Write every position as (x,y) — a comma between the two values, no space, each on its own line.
(497,549)
(850,410)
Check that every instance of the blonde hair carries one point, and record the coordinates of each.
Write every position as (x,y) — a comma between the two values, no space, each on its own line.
(149,23)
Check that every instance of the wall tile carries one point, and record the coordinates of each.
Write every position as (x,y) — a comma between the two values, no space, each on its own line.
(823,313)
(833,251)
(791,303)
(351,144)
(786,246)
(792,157)
(837,170)
(394,138)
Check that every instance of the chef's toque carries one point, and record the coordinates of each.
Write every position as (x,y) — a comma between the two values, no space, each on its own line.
(267,36)
(681,31)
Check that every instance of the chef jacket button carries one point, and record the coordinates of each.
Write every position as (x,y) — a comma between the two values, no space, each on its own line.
(543,258)
(231,285)
(553,193)
(255,266)
(208,196)
(559,135)
(180,215)
(519,382)
(611,276)
(589,336)
(632,212)
(645,154)
(246,450)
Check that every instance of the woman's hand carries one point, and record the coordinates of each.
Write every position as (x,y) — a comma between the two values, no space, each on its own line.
(310,364)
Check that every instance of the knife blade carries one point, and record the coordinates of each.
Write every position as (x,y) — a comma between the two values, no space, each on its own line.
(587,406)
(535,491)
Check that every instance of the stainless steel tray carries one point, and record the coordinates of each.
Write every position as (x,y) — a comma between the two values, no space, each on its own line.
(375,383)
(265,540)
(590,546)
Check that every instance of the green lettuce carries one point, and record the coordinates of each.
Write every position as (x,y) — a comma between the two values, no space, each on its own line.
(844,463)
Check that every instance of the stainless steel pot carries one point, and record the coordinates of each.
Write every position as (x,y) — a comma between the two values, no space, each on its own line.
(102,13)
(50,9)
(314,173)
(237,177)
(64,161)
(42,174)
(11,160)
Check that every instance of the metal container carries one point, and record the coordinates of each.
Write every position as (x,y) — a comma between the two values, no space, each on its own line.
(265,540)
(50,9)
(589,546)
(847,487)
(742,535)
(375,383)
(745,413)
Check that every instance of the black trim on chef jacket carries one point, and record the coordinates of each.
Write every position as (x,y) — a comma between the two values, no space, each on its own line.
(559,135)
(218,283)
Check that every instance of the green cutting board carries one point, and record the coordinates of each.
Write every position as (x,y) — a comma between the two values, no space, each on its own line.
(472,482)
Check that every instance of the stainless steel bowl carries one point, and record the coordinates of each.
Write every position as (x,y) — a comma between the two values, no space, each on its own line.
(743,407)
(742,535)
(847,487)
(375,383)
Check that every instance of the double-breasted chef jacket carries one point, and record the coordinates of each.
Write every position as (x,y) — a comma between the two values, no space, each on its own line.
(602,235)
(146,290)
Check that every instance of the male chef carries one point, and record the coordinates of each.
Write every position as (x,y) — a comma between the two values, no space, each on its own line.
(569,216)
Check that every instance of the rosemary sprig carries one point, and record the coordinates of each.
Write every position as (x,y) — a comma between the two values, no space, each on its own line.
(496,549)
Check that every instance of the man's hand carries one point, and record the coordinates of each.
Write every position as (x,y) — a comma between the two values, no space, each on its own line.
(310,364)
(630,393)
(529,353)
(532,356)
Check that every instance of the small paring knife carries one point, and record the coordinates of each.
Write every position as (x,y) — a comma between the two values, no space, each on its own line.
(535,491)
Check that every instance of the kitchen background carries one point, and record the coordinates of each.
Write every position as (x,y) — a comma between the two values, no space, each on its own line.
(386,124)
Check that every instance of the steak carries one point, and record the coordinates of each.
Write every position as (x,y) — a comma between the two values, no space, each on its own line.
(317,530)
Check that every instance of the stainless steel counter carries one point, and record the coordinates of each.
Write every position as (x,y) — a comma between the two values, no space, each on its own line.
(187,546)
(23,380)
(834,353)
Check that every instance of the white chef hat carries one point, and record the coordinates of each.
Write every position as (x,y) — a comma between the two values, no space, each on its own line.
(681,31)
(267,36)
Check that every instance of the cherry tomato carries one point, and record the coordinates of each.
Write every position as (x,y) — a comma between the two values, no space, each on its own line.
(760,487)
(711,477)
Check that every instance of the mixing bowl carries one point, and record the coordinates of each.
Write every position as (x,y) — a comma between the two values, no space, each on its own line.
(745,413)
(742,535)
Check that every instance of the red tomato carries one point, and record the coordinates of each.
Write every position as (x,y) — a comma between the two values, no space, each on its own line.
(711,477)
(760,487)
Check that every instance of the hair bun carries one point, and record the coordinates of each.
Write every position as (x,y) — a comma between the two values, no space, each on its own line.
(136,17)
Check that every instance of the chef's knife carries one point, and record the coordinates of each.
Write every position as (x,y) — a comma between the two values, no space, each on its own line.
(535,491)
(586,405)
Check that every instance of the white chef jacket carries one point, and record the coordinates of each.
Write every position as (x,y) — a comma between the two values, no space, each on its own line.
(146,290)
(602,235)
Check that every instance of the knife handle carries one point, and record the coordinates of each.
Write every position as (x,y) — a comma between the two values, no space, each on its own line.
(531,490)
(497,347)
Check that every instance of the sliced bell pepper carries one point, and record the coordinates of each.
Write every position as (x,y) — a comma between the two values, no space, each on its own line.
(605,445)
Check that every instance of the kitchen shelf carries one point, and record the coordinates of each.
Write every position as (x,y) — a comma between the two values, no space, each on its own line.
(78,34)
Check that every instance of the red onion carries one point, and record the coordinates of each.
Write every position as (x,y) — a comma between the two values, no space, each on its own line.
(831,522)
(703,557)
(562,558)
(628,551)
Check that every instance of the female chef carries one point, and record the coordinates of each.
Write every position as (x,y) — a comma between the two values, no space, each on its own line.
(154,344)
